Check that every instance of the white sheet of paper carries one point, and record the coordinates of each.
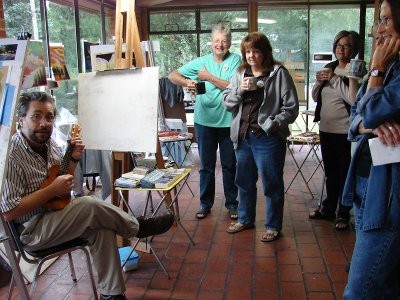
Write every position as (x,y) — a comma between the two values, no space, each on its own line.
(382,154)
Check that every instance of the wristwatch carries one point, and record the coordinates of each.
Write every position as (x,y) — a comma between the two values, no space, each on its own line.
(376,73)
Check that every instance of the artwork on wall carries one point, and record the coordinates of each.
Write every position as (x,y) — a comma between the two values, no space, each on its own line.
(4,115)
(86,55)
(11,50)
(103,58)
(57,62)
(11,68)
(34,66)
(7,52)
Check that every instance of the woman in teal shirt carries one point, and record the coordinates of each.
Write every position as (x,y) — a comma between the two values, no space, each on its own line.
(211,120)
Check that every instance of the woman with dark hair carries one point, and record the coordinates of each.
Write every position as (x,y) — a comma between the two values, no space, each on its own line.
(331,92)
(374,191)
(263,100)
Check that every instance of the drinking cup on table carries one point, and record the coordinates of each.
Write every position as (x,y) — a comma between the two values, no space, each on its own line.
(357,67)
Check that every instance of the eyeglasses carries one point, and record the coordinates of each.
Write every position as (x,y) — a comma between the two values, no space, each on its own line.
(345,46)
(223,42)
(37,118)
(384,21)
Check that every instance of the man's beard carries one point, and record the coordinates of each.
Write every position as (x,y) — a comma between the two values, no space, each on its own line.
(42,139)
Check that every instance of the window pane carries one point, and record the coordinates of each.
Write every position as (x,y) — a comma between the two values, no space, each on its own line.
(235,19)
(322,40)
(20,16)
(369,39)
(172,21)
(90,31)
(62,30)
(205,42)
(175,51)
(286,30)
(90,26)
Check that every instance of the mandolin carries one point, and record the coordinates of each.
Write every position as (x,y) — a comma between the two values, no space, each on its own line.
(59,202)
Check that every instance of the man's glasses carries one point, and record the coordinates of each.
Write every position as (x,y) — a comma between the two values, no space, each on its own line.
(384,21)
(37,118)
(345,46)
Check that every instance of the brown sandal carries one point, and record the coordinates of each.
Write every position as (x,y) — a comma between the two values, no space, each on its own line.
(270,235)
(237,227)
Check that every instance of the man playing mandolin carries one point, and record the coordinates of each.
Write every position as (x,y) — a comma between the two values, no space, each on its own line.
(26,199)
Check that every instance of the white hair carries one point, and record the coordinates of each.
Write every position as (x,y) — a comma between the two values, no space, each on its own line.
(222,28)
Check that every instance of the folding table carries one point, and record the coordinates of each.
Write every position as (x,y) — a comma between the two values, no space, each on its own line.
(312,140)
(305,114)
(175,187)
(182,142)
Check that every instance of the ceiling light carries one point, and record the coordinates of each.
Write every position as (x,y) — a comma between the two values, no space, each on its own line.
(262,21)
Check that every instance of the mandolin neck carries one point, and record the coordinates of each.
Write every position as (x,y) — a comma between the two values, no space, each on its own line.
(65,161)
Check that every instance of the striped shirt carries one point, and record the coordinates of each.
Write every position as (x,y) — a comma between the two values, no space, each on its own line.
(26,171)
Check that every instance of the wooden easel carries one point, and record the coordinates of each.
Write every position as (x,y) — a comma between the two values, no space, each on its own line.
(125,15)
(126,30)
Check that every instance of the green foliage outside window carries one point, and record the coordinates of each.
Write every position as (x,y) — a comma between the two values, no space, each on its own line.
(175,51)
(178,49)
(236,19)
(287,32)
(165,22)
(18,16)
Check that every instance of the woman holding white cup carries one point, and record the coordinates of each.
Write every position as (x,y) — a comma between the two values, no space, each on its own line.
(331,92)
(263,100)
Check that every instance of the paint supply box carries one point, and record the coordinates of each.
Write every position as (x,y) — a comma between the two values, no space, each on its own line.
(133,261)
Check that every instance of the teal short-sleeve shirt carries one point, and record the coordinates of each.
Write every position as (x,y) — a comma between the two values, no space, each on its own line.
(208,110)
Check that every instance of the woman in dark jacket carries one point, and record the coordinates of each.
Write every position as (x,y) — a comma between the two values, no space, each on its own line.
(331,92)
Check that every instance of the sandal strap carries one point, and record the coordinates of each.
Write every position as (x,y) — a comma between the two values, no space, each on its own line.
(271,232)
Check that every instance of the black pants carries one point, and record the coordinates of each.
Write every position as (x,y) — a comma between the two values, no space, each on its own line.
(335,149)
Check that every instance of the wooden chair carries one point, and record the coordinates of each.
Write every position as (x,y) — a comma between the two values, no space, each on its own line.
(39,257)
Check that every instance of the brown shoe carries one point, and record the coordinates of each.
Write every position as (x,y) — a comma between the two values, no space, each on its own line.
(155,225)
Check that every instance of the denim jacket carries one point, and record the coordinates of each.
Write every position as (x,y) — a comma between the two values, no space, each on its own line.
(381,206)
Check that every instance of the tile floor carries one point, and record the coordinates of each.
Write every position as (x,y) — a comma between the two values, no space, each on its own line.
(307,262)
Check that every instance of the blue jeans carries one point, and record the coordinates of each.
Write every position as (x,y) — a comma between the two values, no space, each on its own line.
(374,269)
(208,140)
(264,154)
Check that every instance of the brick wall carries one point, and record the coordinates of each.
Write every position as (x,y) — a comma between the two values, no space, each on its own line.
(2,23)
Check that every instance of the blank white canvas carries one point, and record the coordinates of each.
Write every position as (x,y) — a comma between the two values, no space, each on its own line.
(117,109)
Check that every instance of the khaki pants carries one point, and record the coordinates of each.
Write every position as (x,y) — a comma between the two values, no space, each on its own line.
(91,219)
